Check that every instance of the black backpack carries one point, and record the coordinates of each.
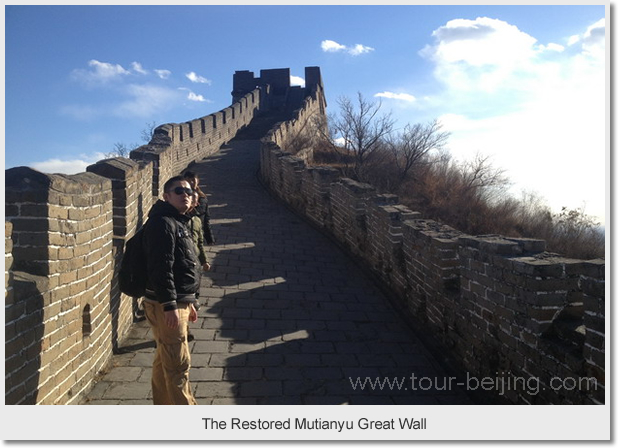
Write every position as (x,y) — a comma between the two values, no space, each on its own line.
(133,273)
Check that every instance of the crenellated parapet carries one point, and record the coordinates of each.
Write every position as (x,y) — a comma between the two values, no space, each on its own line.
(64,239)
(592,282)
(174,146)
(64,312)
(57,318)
(526,313)
(505,308)
(306,123)
(432,273)
(529,322)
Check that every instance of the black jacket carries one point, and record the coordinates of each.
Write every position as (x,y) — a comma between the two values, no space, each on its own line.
(202,211)
(171,257)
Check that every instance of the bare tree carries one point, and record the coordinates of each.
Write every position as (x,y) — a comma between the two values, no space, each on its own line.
(312,132)
(574,223)
(412,146)
(482,178)
(362,130)
(123,150)
(120,150)
(148,131)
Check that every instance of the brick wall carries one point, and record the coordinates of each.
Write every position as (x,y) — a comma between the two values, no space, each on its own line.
(298,135)
(496,303)
(592,282)
(64,239)
(526,315)
(131,187)
(530,321)
(175,146)
(57,318)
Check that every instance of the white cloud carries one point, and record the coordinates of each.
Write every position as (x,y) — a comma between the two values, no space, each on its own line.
(61,166)
(481,53)
(195,97)
(70,166)
(593,42)
(480,42)
(397,96)
(551,47)
(573,40)
(194,77)
(146,100)
(129,99)
(132,100)
(192,96)
(137,67)
(538,110)
(330,46)
(360,49)
(163,74)
(100,73)
(297,81)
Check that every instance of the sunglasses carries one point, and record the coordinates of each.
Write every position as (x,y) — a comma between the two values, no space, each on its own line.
(181,190)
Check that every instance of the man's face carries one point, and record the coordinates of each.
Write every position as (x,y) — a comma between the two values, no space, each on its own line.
(182,201)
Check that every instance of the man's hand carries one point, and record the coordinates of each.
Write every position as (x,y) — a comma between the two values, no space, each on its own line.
(192,313)
(206,266)
(172,318)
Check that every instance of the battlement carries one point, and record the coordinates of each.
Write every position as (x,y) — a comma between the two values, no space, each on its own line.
(276,80)
(500,306)
(497,304)
(65,235)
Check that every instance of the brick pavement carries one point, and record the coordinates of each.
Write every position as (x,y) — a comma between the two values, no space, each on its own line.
(287,318)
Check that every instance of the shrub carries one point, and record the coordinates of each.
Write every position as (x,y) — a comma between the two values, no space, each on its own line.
(470,196)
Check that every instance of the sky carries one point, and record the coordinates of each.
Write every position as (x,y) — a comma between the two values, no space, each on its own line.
(525,85)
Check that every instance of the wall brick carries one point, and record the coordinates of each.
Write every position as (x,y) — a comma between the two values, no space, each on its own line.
(64,239)
(499,304)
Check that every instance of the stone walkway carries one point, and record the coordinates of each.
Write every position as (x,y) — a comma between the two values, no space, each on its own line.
(287,318)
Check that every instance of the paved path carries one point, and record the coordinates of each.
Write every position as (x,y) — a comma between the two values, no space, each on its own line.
(288,317)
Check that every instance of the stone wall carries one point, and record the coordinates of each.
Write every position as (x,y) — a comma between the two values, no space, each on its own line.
(300,134)
(57,313)
(502,306)
(529,323)
(65,236)
(131,185)
(526,317)
(175,146)
(64,239)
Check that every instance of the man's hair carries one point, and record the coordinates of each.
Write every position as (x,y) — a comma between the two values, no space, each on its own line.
(168,185)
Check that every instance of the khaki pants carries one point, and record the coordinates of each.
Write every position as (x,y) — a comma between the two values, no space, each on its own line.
(172,361)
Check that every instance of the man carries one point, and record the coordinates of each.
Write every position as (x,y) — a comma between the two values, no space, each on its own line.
(173,280)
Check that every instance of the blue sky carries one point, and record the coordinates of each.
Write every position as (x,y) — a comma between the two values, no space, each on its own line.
(522,84)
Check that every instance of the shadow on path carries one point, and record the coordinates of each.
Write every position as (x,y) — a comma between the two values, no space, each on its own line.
(288,317)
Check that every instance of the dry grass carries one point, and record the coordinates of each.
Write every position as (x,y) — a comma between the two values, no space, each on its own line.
(472,199)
